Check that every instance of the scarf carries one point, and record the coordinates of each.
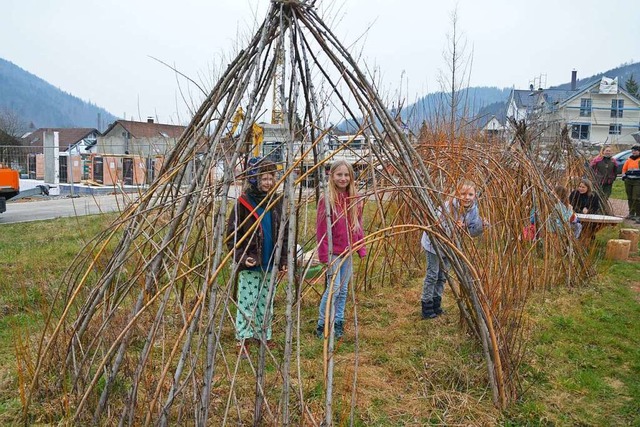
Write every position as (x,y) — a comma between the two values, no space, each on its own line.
(256,194)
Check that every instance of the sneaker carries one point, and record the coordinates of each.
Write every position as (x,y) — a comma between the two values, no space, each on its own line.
(320,331)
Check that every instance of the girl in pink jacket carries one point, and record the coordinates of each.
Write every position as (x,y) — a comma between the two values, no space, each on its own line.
(339,234)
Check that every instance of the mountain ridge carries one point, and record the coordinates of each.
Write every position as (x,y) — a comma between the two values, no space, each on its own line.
(40,104)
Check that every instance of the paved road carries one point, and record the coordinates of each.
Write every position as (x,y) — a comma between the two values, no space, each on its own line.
(37,210)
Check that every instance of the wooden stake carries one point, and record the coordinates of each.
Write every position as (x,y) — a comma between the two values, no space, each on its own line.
(633,235)
(617,249)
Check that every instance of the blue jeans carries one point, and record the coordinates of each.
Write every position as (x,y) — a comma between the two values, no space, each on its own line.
(437,272)
(340,269)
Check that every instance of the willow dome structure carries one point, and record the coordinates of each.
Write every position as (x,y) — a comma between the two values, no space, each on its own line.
(141,330)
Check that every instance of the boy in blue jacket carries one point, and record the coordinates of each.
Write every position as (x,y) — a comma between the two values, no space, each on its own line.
(463,210)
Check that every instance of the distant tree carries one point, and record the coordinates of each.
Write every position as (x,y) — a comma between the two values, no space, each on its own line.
(12,124)
(631,86)
(454,82)
(11,128)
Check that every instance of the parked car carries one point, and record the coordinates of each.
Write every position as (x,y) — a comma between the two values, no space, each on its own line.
(621,157)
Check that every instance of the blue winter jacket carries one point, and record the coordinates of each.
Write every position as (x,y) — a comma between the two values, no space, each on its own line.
(471,218)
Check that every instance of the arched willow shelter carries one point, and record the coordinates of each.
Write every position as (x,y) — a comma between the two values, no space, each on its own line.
(141,332)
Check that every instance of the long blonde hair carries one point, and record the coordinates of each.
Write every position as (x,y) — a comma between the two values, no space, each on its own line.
(353,204)
(604,147)
(587,184)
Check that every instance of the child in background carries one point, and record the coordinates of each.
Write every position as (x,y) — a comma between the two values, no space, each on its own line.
(564,213)
(463,210)
(345,217)
(255,255)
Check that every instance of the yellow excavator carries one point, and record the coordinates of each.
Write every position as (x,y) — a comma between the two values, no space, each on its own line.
(256,136)
(254,143)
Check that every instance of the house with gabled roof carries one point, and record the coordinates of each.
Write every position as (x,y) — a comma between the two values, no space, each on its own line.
(124,137)
(534,104)
(74,145)
(491,126)
(597,113)
(601,112)
(132,153)
(74,141)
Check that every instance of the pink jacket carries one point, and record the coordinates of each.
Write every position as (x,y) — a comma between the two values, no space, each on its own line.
(342,235)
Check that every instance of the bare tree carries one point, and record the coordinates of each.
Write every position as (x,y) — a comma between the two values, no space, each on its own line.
(11,128)
(11,124)
(455,78)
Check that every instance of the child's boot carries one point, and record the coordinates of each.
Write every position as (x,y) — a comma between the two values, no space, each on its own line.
(437,306)
(320,331)
(338,329)
(427,310)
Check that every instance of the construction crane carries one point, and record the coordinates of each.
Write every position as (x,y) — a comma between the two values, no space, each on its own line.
(277,112)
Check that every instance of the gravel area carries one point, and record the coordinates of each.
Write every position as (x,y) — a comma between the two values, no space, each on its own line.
(620,207)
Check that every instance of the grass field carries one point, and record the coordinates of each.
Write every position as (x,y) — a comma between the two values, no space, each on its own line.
(581,366)
(617,192)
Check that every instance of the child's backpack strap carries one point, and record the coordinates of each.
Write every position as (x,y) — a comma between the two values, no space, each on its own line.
(247,204)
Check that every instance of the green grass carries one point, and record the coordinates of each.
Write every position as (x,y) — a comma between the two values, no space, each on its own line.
(617,191)
(581,366)
(34,257)
(584,360)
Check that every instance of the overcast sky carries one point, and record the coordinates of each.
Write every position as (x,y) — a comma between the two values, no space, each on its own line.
(101,51)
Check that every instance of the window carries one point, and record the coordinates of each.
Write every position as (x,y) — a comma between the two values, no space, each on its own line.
(357,143)
(580,131)
(616,107)
(273,151)
(615,129)
(585,107)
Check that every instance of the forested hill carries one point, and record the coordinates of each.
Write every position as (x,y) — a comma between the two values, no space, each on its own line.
(433,106)
(472,100)
(481,103)
(39,103)
(622,72)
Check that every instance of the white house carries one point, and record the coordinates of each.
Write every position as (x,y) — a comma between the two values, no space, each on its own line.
(535,104)
(601,112)
(493,127)
(597,113)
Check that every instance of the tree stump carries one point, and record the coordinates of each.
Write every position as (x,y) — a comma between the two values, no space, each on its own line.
(617,249)
(633,235)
